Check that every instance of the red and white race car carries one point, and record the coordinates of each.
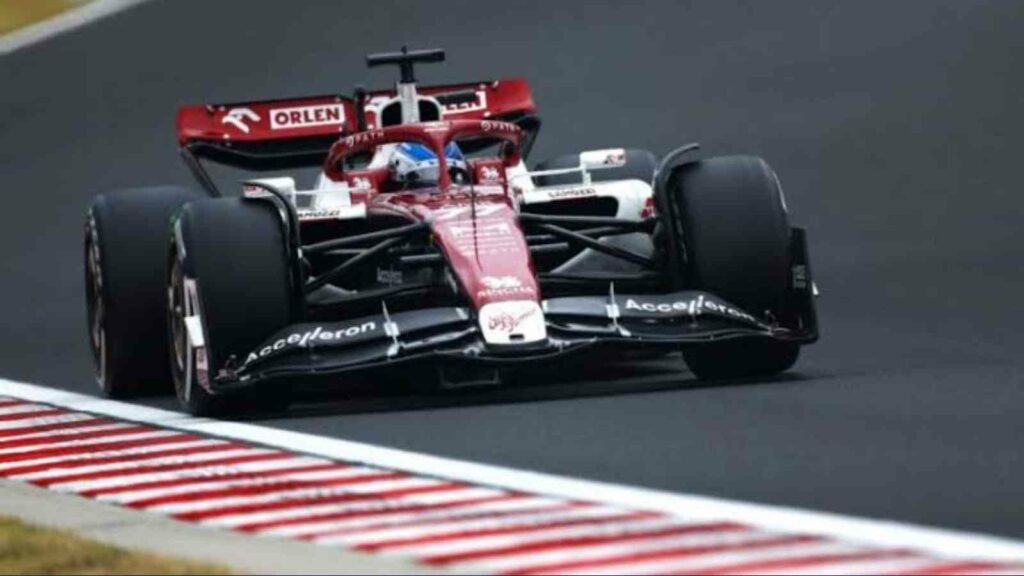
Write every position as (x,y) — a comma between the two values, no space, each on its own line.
(423,239)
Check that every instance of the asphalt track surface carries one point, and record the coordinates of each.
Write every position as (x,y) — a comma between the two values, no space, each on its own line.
(896,130)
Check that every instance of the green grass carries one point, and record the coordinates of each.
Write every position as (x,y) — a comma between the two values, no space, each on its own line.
(27,549)
(16,14)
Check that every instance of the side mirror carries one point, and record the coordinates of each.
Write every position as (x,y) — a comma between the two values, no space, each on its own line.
(602,159)
(284,185)
(590,160)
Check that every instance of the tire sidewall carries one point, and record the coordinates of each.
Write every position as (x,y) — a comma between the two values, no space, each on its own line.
(751,271)
(96,303)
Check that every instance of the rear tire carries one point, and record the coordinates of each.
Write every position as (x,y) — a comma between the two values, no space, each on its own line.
(640,165)
(230,267)
(125,246)
(729,220)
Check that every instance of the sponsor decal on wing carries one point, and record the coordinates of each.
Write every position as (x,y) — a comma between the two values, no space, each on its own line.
(478,104)
(308,337)
(655,307)
(512,322)
(506,322)
(239,118)
(306,116)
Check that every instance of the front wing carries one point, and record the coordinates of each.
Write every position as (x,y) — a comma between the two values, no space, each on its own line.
(450,335)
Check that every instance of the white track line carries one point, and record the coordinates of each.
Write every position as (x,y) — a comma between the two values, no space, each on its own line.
(886,534)
(61,23)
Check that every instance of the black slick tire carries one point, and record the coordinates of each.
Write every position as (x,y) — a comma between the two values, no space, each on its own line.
(229,266)
(732,234)
(125,246)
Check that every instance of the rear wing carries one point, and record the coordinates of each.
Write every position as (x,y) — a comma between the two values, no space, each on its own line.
(298,132)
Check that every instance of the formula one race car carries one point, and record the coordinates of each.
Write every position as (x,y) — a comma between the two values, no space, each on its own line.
(426,242)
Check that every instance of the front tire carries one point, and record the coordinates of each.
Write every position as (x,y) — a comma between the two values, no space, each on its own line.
(125,244)
(730,236)
(741,359)
(230,269)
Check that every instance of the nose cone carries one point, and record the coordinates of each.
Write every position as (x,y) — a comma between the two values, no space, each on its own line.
(512,322)
(485,247)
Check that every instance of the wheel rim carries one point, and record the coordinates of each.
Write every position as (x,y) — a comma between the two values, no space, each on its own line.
(176,321)
(96,310)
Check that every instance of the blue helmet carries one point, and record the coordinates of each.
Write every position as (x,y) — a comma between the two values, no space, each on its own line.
(415,165)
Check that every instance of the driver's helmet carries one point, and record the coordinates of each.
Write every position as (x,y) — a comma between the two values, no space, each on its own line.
(415,166)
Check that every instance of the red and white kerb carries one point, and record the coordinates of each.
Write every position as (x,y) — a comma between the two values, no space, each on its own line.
(433,520)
